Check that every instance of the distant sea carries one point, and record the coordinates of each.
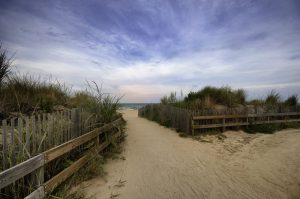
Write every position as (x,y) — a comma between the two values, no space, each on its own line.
(133,105)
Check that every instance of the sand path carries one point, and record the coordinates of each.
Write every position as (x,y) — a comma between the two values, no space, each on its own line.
(160,164)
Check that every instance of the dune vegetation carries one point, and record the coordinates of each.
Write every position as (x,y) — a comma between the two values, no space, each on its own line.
(27,95)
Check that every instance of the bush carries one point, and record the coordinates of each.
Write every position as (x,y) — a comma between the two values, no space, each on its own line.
(291,101)
(213,95)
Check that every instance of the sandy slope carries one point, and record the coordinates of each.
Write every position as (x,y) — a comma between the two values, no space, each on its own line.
(160,164)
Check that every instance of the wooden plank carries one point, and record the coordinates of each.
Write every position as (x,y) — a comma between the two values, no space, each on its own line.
(27,145)
(33,135)
(68,146)
(20,136)
(4,143)
(205,126)
(72,144)
(61,126)
(51,184)
(69,125)
(274,121)
(50,130)
(39,134)
(16,172)
(73,120)
(204,117)
(207,117)
(44,131)
(193,129)
(242,123)
(274,114)
(12,141)
(66,173)
(37,194)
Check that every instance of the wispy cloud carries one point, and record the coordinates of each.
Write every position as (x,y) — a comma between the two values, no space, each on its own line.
(145,49)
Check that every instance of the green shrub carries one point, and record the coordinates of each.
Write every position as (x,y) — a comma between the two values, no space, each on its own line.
(291,100)
(213,95)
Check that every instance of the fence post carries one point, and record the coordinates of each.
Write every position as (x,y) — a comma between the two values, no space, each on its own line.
(12,140)
(27,146)
(223,123)
(4,143)
(73,120)
(20,136)
(193,130)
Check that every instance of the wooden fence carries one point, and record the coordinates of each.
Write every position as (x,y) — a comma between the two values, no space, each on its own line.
(224,121)
(191,121)
(43,138)
(177,118)
(25,137)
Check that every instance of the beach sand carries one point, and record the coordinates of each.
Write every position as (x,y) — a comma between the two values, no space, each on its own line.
(157,163)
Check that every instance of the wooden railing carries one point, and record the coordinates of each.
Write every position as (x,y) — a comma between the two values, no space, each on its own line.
(36,164)
(24,137)
(223,121)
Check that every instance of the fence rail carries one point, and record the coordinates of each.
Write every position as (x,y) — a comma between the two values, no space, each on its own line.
(29,144)
(223,121)
(36,163)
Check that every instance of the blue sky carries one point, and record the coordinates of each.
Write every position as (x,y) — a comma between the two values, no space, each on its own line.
(146,49)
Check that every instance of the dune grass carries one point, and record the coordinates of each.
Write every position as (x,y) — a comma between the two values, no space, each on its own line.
(210,95)
(28,94)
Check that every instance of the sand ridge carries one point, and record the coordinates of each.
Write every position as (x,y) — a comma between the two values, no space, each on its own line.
(160,164)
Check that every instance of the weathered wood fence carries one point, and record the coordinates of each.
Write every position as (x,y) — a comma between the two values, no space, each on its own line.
(191,121)
(177,118)
(29,144)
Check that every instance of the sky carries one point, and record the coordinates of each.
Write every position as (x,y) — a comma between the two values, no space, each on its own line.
(146,49)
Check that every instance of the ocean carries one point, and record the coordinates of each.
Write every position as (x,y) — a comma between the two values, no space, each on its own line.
(133,105)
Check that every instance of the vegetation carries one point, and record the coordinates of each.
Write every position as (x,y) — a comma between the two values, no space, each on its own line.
(5,66)
(210,95)
(291,101)
(172,99)
(27,95)
(273,98)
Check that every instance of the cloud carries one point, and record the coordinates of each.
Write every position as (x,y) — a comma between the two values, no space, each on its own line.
(146,49)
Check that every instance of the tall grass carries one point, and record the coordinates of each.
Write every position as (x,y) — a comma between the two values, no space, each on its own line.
(5,65)
(98,102)
(273,98)
(28,94)
(210,95)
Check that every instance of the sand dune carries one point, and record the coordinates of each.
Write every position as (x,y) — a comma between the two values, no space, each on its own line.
(160,164)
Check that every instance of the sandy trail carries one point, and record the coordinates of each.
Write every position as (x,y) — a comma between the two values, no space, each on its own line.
(160,164)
